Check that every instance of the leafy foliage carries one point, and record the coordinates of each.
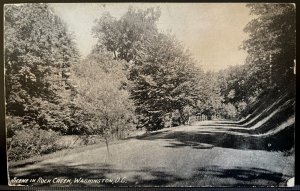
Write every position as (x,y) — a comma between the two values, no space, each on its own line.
(38,53)
(210,100)
(162,75)
(165,82)
(101,94)
(31,142)
(271,53)
(271,45)
(125,37)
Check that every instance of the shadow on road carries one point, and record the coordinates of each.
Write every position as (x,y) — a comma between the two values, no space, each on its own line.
(208,176)
(239,176)
(146,177)
(275,119)
(284,140)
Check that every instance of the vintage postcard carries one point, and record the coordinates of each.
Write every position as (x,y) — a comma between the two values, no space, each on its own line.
(150,94)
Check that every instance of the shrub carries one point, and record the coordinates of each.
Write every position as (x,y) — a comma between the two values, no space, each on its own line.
(28,142)
(13,124)
(229,111)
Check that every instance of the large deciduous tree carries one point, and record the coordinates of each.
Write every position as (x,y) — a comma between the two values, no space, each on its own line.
(125,37)
(38,52)
(165,81)
(271,45)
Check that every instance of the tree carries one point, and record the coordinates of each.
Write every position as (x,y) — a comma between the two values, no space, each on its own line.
(101,95)
(210,99)
(38,52)
(125,37)
(235,84)
(271,45)
(165,82)
(271,54)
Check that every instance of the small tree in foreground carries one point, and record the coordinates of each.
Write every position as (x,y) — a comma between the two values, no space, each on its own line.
(101,95)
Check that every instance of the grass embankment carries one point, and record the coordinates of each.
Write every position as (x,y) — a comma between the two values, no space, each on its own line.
(73,144)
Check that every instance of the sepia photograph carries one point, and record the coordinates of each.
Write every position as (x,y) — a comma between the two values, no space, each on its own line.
(150,94)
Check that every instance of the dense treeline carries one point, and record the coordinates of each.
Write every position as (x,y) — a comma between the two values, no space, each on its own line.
(135,76)
(38,53)
(163,77)
(269,67)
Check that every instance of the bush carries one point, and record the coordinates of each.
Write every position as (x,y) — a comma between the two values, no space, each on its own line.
(13,124)
(28,142)
(229,111)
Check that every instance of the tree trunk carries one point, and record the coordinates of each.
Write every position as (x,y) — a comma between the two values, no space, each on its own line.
(106,139)
(115,55)
(181,117)
(107,148)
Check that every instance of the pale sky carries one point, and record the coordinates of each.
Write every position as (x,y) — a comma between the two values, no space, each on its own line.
(212,31)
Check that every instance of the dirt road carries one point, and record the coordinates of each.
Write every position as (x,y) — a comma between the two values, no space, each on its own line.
(211,153)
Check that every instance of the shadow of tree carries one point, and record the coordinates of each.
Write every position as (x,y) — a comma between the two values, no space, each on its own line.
(282,115)
(143,177)
(283,140)
(192,144)
(238,176)
(206,176)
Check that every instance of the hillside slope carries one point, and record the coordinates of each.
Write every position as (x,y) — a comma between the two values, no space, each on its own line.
(270,122)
